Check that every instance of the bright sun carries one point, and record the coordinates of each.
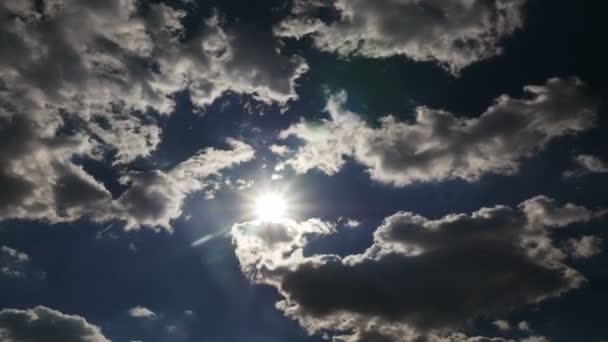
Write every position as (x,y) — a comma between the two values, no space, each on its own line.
(270,207)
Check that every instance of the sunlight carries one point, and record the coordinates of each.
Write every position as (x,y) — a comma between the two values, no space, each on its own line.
(270,207)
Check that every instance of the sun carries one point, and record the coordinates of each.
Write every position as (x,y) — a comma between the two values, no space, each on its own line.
(270,207)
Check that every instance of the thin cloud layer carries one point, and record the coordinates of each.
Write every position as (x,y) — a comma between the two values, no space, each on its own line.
(454,34)
(42,324)
(439,145)
(420,277)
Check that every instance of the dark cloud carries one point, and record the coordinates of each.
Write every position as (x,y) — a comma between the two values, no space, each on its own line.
(420,277)
(42,324)
(152,197)
(452,33)
(77,194)
(438,145)
(37,175)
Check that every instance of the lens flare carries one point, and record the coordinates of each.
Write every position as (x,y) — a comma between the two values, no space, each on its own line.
(270,207)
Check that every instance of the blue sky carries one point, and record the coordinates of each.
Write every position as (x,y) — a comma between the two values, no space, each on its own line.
(442,166)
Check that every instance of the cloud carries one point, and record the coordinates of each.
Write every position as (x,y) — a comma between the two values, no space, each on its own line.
(438,145)
(92,80)
(535,339)
(592,164)
(42,324)
(545,211)
(132,61)
(587,164)
(13,264)
(452,33)
(585,247)
(524,326)
(142,312)
(279,150)
(420,277)
(348,222)
(154,198)
(502,325)
(41,181)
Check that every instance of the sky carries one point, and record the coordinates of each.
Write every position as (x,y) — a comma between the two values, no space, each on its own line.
(303,170)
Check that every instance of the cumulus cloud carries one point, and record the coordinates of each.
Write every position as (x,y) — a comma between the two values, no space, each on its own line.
(141,312)
(41,182)
(91,80)
(42,324)
(98,59)
(452,33)
(421,277)
(39,179)
(439,145)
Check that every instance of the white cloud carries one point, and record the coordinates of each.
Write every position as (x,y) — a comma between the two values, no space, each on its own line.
(535,339)
(13,263)
(544,211)
(352,223)
(48,65)
(592,164)
(587,164)
(279,150)
(42,324)
(502,325)
(142,312)
(155,198)
(80,80)
(438,145)
(585,247)
(452,33)
(524,326)
(400,279)
(41,182)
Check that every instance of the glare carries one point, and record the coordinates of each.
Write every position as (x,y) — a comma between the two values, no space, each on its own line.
(270,207)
